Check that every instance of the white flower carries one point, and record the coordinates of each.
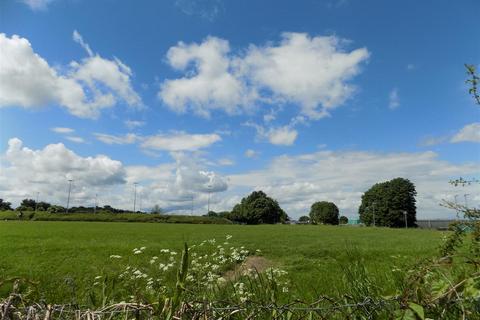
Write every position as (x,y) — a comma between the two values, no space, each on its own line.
(114,256)
(98,277)
(143,248)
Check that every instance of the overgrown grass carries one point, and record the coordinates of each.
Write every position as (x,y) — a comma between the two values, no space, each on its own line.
(64,257)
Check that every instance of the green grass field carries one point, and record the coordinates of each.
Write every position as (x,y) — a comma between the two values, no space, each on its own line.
(50,252)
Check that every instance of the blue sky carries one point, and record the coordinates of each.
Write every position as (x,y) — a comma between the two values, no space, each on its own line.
(308,100)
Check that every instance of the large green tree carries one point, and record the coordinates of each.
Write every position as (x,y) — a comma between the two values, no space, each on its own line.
(324,212)
(258,208)
(385,204)
(5,205)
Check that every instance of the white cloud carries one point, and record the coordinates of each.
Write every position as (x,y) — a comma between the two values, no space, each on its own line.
(285,135)
(410,67)
(75,139)
(180,141)
(25,171)
(37,4)
(250,153)
(129,138)
(132,124)
(62,130)
(282,136)
(469,133)
(342,177)
(210,85)
(27,80)
(393,99)
(310,71)
(313,72)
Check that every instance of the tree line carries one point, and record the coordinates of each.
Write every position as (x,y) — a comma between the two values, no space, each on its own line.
(386,204)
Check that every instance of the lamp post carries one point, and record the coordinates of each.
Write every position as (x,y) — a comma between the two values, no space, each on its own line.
(69,190)
(209,187)
(134,195)
(405,215)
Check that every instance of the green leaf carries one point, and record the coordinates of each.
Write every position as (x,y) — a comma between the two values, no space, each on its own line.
(417,309)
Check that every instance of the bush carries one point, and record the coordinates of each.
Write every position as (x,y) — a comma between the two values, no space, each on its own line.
(343,220)
(324,212)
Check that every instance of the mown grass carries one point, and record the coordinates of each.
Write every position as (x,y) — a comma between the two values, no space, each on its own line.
(64,257)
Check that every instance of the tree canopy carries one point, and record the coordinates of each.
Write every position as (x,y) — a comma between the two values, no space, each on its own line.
(5,205)
(343,220)
(258,208)
(324,212)
(304,219)
(386,202)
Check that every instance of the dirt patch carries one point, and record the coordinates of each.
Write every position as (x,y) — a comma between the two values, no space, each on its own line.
(258,263)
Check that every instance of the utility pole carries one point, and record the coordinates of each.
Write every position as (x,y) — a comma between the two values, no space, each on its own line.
(95,205)
(134,196)
(456,205)
(405,215)
(69,190)
(36,202)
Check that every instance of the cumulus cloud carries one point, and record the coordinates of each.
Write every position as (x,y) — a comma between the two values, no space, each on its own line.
(393,99)
(342,177)
(209,85)
(95,83)
(24,172)
(469,133)
(180,141)
(312,72)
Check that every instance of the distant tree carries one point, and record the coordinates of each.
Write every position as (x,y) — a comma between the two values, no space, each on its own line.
(304,219)
(387,202)
(324,212)
(156,209)
(26,205)
(5,205)
(258,208)
(343,220)
(212,214)
(56,209)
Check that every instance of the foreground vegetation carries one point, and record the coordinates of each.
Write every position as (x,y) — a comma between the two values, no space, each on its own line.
(376,273)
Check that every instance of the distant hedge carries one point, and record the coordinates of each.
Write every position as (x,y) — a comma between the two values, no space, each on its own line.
(111,217)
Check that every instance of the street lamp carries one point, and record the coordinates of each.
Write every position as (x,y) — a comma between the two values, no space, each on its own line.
(209,187)
(405,215)
(373,205)
(69,190)
(134,195)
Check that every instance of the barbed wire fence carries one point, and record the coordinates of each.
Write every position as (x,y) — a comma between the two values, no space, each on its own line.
(324,308)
